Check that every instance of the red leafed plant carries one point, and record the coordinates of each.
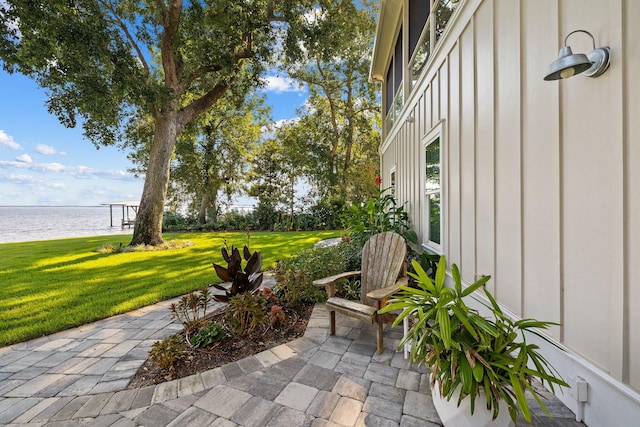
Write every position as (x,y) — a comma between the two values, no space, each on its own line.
(247,280)
(276,315)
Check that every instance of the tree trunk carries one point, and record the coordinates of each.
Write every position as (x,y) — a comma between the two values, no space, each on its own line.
(204,207)
(148,228)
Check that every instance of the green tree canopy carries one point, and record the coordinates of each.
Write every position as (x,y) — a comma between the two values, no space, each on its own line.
(108,63)
(211,162)
(339,127)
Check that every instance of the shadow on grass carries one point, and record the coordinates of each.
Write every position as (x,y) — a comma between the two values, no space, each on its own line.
(53,285)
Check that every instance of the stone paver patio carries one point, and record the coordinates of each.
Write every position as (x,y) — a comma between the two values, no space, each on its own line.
(79,378)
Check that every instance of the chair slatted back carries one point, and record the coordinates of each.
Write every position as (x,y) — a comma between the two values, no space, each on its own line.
(383,256)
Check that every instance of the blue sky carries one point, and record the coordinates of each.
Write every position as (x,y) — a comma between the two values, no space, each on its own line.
(42,163)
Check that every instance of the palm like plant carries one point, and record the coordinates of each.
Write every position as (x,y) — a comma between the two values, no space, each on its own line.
(468,353)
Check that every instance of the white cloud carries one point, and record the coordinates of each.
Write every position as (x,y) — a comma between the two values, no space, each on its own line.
(48,150)
(24,158)
(279,84)
(7,141)
(281,123)
(23,179)
(269,131)
(80,172)
(31,181)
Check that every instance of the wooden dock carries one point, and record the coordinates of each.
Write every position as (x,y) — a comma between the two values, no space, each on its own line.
(129,212)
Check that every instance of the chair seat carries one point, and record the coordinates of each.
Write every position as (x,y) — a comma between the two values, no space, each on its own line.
(352,308)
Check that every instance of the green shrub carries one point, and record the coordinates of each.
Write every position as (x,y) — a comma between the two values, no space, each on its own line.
(327,213)
(295,275)
(352,255)
(319,262)
(376,215)
(245,312)
(265,216)
(349,289)
(295,287)
(235,220)
(175,221)
(191,309)
(207,336)
(167,352)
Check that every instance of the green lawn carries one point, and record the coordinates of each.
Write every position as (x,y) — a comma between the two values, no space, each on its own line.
(52,285)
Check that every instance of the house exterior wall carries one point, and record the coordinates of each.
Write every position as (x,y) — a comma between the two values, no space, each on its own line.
(540,183)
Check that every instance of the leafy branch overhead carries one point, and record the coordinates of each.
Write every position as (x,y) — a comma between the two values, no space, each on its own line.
(241,280)
(111,66)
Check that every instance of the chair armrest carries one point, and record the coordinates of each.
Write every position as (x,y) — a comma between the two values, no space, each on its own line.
(330,282)
(332,279)
(383,293)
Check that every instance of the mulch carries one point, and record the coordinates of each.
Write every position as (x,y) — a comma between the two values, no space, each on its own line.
(229,349)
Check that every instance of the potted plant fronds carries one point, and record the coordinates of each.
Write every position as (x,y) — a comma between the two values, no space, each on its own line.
(481,362)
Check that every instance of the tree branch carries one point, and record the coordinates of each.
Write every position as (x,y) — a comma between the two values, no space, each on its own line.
(271,16)
(119,23)
(197,73)
(170,23)
(203,103)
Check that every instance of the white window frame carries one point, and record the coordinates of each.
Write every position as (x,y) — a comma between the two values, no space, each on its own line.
(435,134)
(393,180)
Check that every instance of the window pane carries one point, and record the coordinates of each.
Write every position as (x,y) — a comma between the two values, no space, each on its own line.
(398,64)
(443,14)
(419,61)
(388,84)
(398,102)
(393,183)
(418,14)
(432,182)
(434,218)
(432,190)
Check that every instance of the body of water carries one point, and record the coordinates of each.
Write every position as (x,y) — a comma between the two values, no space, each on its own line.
(29,223)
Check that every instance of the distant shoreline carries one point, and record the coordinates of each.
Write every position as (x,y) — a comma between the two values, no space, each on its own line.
(37,223)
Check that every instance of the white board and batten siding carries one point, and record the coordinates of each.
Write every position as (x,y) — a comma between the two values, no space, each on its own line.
(541,183)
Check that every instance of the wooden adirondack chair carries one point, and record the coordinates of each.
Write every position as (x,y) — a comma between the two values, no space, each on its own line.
(383,270)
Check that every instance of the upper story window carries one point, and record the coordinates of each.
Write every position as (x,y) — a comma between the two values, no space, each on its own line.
(418,15)
(435,24)
(425,23)
(393,83)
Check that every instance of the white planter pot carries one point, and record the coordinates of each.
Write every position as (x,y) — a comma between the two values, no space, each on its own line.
(453,415)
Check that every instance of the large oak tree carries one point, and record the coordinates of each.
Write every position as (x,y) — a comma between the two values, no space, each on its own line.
(107,63)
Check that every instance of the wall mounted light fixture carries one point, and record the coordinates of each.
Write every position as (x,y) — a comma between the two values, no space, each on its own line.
(569,64)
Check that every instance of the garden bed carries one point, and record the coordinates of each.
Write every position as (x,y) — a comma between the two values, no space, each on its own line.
(229,349)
